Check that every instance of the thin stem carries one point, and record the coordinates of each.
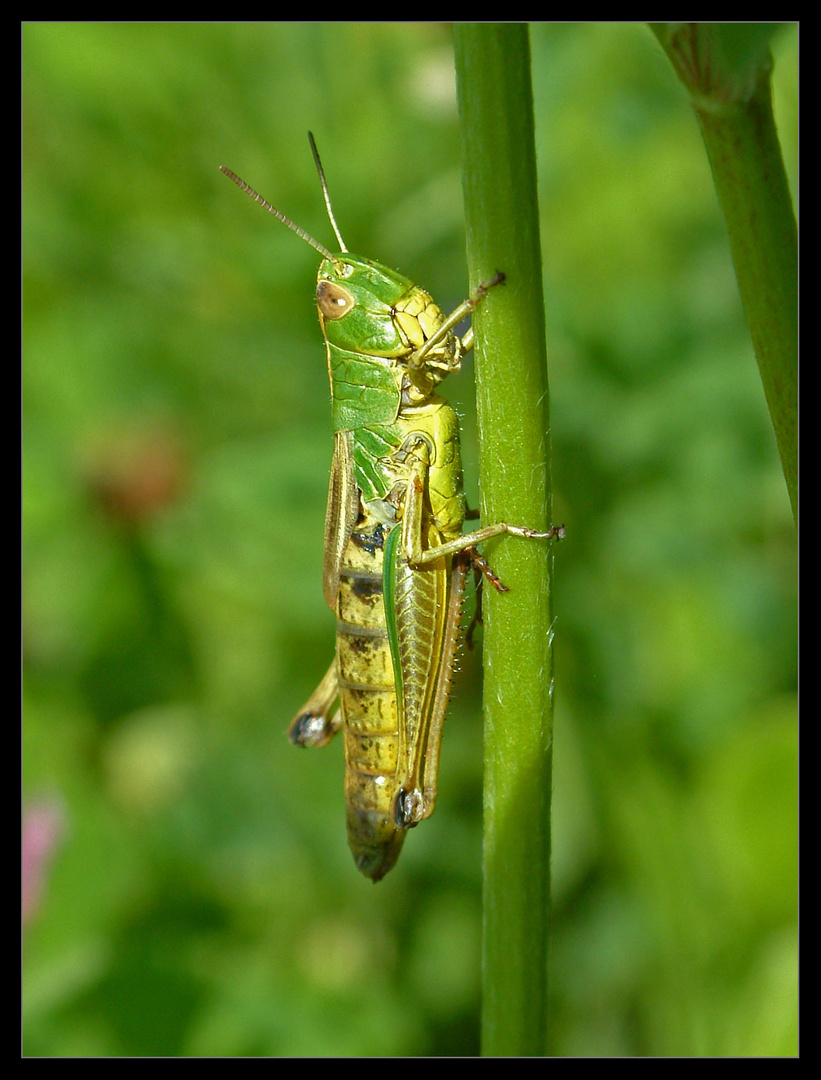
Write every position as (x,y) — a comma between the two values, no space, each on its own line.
(727,70)
(495,102)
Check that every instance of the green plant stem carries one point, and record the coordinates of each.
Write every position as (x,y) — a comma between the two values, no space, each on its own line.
(752,188)
(727,70)
(499,166)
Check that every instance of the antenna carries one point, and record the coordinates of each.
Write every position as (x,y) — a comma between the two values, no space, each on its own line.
(321,172)
(286,220)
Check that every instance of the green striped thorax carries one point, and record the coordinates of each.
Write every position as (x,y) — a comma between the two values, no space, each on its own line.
(356,298)
(374,320)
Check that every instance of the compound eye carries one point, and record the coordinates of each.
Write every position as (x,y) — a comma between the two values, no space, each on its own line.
(333,300)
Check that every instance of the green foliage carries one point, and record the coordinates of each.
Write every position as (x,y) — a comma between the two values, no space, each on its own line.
(201,898)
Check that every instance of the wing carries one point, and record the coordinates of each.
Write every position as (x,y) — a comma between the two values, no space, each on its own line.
(341,514)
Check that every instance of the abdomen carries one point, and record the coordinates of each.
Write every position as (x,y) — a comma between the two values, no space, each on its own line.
(367,696)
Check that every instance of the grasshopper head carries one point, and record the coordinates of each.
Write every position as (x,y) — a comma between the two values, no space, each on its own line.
(357,300)
(369,310)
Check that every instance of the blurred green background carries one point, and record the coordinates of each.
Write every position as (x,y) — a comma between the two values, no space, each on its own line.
(188,887)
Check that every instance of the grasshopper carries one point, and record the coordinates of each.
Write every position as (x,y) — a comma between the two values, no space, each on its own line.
(395,558)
